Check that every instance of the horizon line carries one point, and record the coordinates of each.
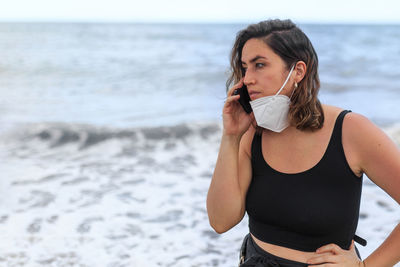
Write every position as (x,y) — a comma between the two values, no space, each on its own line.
(187,22)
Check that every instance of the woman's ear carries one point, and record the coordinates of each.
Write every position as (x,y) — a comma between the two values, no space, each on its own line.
(300,71)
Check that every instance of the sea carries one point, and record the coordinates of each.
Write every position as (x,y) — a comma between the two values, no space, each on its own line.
(109,133)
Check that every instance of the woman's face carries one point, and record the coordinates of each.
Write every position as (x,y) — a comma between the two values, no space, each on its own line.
(265,71)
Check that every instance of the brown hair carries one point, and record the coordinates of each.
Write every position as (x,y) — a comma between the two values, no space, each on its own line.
(292,45)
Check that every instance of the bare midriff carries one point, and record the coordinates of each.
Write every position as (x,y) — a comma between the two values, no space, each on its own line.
(286,253)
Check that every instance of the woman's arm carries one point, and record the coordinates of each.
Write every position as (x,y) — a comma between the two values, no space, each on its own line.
(379,158)
(229,184)
(371,151)
(232,173)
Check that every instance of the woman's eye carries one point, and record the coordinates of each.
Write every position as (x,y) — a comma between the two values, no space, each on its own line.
(259,65)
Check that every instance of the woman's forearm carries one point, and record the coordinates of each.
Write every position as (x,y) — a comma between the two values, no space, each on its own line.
(224,204)
(387,254)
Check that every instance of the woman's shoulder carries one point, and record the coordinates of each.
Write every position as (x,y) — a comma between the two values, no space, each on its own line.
(357,129)
(373,152)
(352,119)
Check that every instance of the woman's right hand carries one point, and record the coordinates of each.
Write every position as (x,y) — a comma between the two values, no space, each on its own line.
(236,121)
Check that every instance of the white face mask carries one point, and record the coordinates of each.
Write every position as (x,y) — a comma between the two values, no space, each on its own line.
(271,112)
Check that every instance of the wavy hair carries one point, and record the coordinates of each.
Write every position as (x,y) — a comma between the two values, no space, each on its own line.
(292,45)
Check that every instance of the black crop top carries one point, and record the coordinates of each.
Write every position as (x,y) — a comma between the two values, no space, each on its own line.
(305,210)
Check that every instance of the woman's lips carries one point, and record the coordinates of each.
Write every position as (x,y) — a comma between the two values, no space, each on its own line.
(253,95)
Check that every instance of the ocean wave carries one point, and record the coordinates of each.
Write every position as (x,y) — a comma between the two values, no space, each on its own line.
(84,136)
(117,192)
(70,187)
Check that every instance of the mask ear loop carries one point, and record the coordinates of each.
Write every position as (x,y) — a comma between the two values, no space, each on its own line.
(287,79)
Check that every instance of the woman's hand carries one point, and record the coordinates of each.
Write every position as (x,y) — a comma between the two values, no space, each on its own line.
(333,255)
(236,120)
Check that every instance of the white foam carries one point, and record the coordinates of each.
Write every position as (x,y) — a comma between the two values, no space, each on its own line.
(129,202)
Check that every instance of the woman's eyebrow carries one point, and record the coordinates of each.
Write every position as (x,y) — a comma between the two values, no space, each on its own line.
(255,59)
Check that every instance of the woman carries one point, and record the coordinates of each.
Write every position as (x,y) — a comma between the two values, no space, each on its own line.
(295,165)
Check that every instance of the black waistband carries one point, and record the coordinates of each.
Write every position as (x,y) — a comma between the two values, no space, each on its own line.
(251,255)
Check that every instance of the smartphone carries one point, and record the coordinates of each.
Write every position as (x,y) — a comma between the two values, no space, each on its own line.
(244,99)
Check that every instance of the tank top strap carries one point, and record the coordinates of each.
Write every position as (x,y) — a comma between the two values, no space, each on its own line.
(337,130)
(335,146)
(256,149)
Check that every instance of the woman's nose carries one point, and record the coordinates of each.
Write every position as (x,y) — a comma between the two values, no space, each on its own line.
(248,78)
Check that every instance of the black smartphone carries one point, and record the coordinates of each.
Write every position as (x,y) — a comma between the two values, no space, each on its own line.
(244,99)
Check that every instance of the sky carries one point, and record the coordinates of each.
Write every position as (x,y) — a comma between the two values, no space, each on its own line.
(204,11)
